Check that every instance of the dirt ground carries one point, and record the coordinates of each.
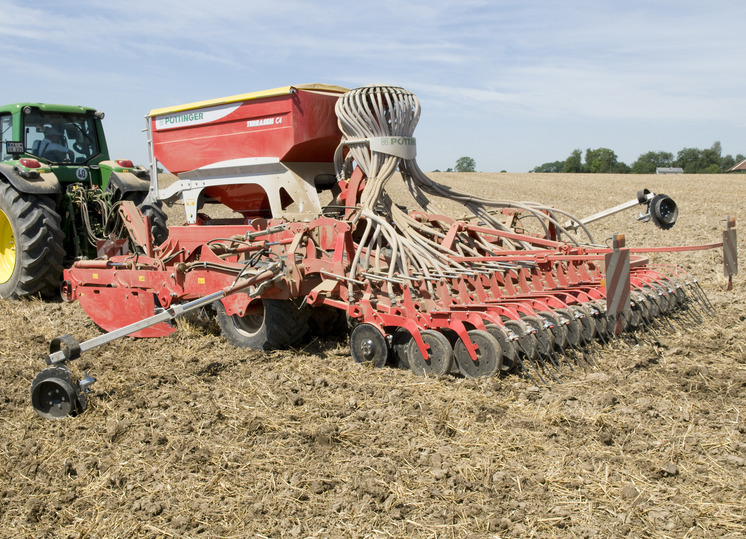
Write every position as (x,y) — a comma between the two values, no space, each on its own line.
(188,437)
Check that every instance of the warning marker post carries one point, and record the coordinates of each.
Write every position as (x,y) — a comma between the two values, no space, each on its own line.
(617,282)
(730,251)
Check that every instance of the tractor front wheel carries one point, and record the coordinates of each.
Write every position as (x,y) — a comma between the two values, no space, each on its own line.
(270,324)
(31,252)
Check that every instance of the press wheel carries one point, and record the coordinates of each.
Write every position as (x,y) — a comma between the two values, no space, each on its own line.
(489,355)
(587,327)
(506,345)
(400,346)
(526,342)
(368,345)
(440,354)
(54,394)
(544,338)
(572,326)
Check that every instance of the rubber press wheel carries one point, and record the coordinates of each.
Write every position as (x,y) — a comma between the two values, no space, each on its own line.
(544,338)
(526,342)
(488,352)
(54,394)
(440,354)
(587,326)
(368,345)
(31,252)
(573,327)
(506,345)
(400,340)
(269,324)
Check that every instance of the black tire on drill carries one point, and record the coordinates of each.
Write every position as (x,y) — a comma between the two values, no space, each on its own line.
(31,252)
(277,324)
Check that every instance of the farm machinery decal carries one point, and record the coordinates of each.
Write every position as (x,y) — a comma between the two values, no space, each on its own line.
(513,287)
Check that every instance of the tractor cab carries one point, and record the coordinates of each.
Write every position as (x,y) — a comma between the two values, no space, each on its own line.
(69,139)
(62,137)
(59,192)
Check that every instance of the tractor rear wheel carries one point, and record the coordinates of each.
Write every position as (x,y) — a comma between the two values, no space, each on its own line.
(271,324)
(31,252)
(158,218)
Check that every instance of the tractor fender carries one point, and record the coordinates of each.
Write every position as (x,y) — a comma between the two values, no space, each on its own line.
(45,183)
(124,180)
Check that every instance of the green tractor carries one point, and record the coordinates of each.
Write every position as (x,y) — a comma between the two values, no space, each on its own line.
(59,192)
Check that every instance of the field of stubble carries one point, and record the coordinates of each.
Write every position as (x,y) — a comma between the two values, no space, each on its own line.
(188,437)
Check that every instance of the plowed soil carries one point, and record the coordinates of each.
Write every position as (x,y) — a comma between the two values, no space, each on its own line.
(187,436)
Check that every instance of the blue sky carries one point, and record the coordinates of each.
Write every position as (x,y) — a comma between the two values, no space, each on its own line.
(512,84)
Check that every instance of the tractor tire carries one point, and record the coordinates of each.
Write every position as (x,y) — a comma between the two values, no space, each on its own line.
(31,252)
(326,321)
(279,324)
(158,218)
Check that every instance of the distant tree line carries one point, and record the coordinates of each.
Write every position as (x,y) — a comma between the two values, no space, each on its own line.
(463,164)
(604,160)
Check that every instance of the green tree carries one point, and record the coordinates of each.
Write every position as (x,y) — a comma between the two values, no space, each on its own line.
(573,163)
(691,160)
(602,161)
(465,164)
(726,162)
(648,162)
(555,166)
(694,160)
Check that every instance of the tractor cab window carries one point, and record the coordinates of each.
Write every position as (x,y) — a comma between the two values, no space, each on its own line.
(6,134)
(61,137)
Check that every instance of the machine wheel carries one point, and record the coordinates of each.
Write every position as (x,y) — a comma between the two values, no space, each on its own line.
(54,394)
(587,327)
(31,252)
(489,355)
(274,324)
(368,345)
(599,319)
(400,346)
(526,342)
(559,332)
(158,218)
(327,321)
(506,345)
(440,354)
(572,326)
(653,301)
(544,337)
